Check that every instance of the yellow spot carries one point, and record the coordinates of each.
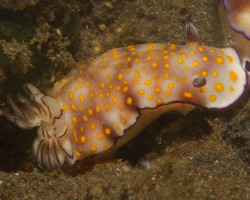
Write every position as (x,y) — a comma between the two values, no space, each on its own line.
(85,118)
(173,46)
(180,60)
(136,60)
(98,69)
(79,85)
(229,58)
(107,131)
(204,73)
(128,59)
(233,76)
(171,85)
(129,100)
(188,95)
(65,107)
(121,106)
(107,94)
(107,107)
(202,89)
(201,48)
(93,148)
(137,74)
(183,55)
(75,136)
(99,136)
(151,45)
(148,57)
(219,60)
(87,83)
(123,120)
(110,85)
(97,108)
(128,115)
(167,93)
(159,101)
(71,95)
(81,129)
(90,111)
(82,99)
(58,98)
(73,107)
(166,65)
(125,89)
(91,95)
(108,75)
(101,95)
(92,126)
(195,63)
(63,80)
(74,120)
(118,127)
(212,97)
(141,91)
(83,139)
(154,65)
(102,84)
(155,75)
(78,154)
(150,97)
(165,57)
(211,50)
(127,70)
(157,89)
(231,88)
(120,76)
(214,73)
(114,100)
(118,88)
(186,67)
(166,75)
(184,79)
(219,87)
(147,82)
(192,52)
(204,58)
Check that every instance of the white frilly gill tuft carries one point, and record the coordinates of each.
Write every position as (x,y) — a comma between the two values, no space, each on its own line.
(52,147)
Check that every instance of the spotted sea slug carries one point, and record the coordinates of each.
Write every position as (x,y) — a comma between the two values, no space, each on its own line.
(102,105)
(238,15)
(235,16)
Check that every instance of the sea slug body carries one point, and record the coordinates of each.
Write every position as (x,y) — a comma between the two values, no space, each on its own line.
(238,15)
(95,106)
(235,17)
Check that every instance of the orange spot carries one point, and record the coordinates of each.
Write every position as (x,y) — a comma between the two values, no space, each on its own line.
(188,95)
(233,76)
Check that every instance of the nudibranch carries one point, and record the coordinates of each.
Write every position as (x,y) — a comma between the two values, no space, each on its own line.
(238,18)
(239,15)
(102,105)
